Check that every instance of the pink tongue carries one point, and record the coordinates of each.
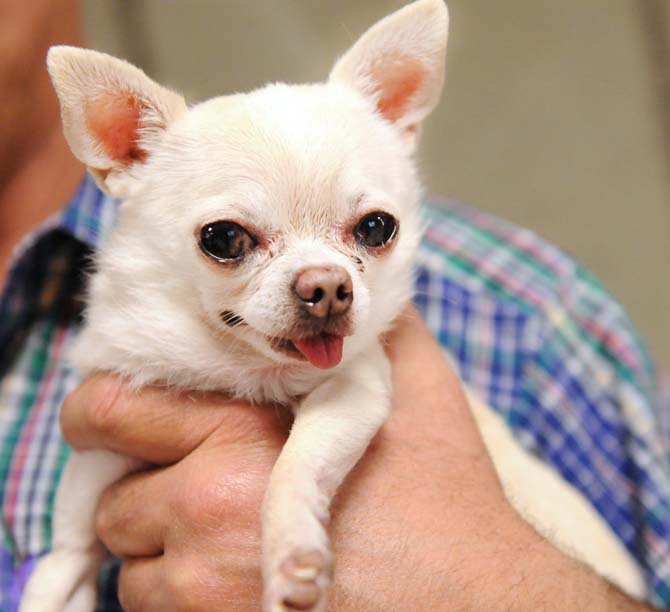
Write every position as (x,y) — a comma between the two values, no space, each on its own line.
(323,351)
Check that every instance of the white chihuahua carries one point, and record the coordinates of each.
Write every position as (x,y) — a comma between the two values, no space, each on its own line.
(264,244)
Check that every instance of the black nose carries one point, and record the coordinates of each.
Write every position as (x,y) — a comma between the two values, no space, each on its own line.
(324,291)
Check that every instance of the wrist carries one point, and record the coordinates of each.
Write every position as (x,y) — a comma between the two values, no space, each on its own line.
(513,568)
(541,577)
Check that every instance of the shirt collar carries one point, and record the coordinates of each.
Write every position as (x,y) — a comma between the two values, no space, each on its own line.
(88,217)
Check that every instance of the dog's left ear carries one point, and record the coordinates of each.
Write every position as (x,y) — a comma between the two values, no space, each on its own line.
(113,114)
(399,62)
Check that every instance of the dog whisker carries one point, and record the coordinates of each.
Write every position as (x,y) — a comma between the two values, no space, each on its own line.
(231,319)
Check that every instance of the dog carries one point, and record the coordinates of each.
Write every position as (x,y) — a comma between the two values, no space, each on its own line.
(264,245)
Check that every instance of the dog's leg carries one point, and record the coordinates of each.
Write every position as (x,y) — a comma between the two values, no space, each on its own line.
(333,427)
(64,579)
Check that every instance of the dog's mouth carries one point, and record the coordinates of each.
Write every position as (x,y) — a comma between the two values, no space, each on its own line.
(321,348)
(323,351)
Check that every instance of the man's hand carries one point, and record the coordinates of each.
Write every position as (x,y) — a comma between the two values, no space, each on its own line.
(420,524)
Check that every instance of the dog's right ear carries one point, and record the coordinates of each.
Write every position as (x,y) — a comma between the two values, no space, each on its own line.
(113,113)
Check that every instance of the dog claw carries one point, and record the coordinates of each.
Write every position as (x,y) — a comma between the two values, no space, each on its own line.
(305,575)
(302,597)
(304,567)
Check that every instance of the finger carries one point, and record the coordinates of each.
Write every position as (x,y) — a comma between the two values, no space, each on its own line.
(411,334)
(421,369)
(156,424)
(132,513)
(141,585)
(415,355)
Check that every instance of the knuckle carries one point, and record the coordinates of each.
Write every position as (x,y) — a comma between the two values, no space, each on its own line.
(189,587)
(131,597)
(70,415)
(204,506)
(103,411)
(214,500)
(125,592)
(105,517)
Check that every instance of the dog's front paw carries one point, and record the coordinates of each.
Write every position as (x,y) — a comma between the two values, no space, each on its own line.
(63,581)
(299,582)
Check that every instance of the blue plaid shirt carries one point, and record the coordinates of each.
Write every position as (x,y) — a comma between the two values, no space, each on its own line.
(531,331)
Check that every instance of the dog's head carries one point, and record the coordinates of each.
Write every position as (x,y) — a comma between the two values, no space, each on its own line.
(287,216)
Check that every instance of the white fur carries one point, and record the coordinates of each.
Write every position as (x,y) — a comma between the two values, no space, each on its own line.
(557,510)
(299,165)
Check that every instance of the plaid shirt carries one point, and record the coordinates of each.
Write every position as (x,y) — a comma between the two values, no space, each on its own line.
(532,332)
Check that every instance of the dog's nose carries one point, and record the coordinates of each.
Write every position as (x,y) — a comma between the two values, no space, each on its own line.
(324,291)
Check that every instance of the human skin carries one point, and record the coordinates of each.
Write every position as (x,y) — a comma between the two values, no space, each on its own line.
(420,524)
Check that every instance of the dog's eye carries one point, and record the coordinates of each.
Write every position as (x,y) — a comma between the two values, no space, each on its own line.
(225,240)
(376,229)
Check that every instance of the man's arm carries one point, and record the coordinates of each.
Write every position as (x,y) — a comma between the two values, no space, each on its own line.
(421,523)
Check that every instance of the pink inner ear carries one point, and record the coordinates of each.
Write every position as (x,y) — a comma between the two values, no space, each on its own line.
(397,78)
(113,120)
